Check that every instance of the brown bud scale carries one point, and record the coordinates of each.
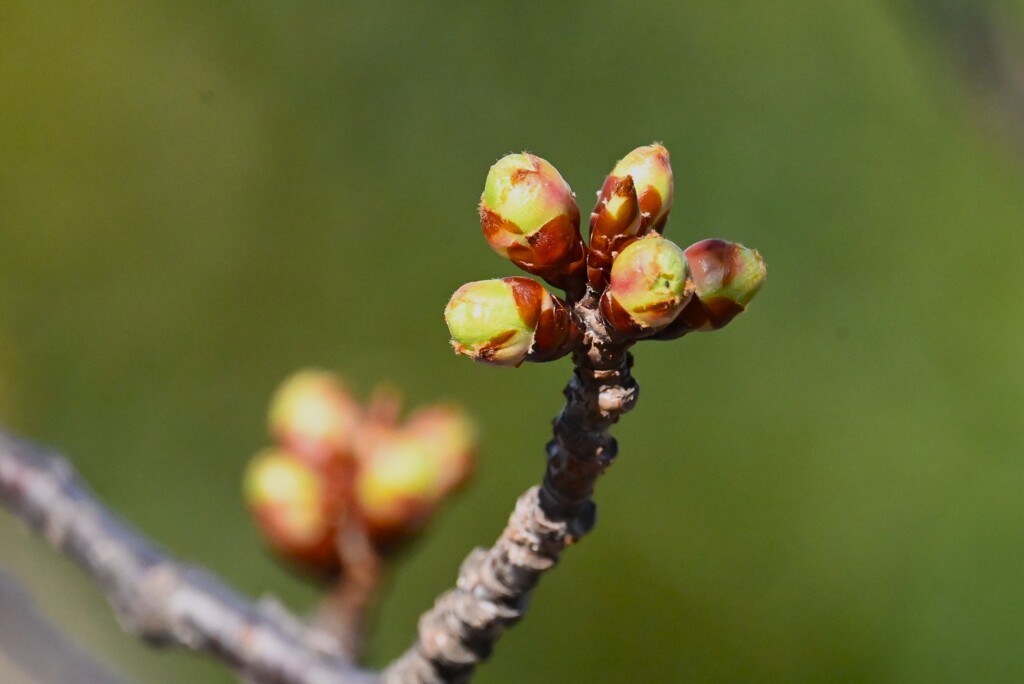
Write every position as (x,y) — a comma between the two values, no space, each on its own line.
(611,232)
(554,252)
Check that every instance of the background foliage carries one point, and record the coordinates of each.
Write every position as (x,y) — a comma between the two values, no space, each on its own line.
(197,198)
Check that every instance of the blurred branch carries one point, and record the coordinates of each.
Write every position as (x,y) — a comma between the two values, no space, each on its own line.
(164,602)
(494,585)
(168,603)
(37,648)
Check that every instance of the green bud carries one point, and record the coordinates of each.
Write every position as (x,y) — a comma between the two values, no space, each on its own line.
(293,508)
(728,270)
(652,175)
(648,287)
(529,215)
(505,322)
(726,276)
(451,438)
(313,415)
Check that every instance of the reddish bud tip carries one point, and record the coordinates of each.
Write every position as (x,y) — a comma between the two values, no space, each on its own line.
(726,276)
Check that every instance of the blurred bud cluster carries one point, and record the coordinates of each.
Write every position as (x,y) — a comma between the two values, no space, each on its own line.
(338,465)
(643,285)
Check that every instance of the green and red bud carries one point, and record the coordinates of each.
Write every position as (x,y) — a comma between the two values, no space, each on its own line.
(397,487)
(614,223)
(652,175)
(451,437)
(313,416)
(726,276)
(505,322)
(294,508)
(529,215)
(648,287)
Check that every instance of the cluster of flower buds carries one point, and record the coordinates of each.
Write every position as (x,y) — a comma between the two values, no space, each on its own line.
(336,463)
(644,285)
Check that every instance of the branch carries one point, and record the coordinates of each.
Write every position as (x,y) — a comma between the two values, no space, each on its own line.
(494,585)
(168,603)
(37,648)
(162,601)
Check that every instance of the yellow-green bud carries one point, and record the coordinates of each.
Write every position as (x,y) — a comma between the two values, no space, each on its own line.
(652,175)
(722,269)
(726,276)
(313,415)
(290,503)
(505,322)
(529,215)
(648,287)
(450,437)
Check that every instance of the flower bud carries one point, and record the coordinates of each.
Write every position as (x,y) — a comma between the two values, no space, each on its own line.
(292,507)
(726,276)
(312,415)
(451,438)
(614,223)
(505,322)
(648,287)
(529,216)
(396,487)
(652,175)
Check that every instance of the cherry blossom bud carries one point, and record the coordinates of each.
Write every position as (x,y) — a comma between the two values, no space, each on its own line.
(726,276)
(652,175)
(314,416)
(528,214)
(505,322)
(396,487)
(614,223)
(648,287)
(293,509)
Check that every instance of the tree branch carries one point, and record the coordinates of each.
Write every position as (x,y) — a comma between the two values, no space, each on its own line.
(162,601)
(172,604)
(494,585)
(38,649)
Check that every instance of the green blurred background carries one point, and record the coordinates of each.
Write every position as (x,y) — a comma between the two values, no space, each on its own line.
(198,198)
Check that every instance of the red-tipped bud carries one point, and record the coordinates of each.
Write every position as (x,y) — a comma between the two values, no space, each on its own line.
(451,437)
(505,322)
(294,509)
(528,214)
(652,175)
(648,287)
(726,276)
(614,223)
(314,416)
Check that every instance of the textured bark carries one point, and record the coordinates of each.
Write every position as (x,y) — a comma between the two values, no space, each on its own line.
(162,601)
(494,585)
